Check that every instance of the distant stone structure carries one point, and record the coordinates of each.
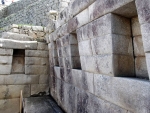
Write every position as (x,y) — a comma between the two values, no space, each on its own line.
(98,50)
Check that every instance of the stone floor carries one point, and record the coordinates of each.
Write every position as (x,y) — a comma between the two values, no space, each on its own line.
(41,105)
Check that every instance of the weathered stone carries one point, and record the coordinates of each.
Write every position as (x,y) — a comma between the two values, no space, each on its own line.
(57,72)
(36,70)
(36,88)
(138,46)
(36,53)
(16,36)
(40,34)
(21,79)
(141,67)
(15,44)
(26,27)
(36,61)
(72,62)
(7,52)
(142,9)
(9,105)
(14,30)
(42,46)
(5,69)
(117,44)
(136,28)
(5,60)
(121,91)
(43,79)
(13,91)
(70,39)
(85,48)
(148,63)
(32,34)
(37,28)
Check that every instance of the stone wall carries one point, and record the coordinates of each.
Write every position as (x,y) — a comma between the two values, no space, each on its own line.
(113,74)
(33,14)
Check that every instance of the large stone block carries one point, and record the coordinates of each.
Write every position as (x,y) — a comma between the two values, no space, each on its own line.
(136,28)
(100,8)
(121,91)
(16,36)
(85,48)
(13,91)
(143,8)
(5,69)
(112,43)
(43,79)
(57,72)
(138,46)
(21,79)
(141,67)
(36,88)
(36,53)
(145,36)
(5,60)
(15,44)
(9,105)
(36,70)
(36,61)
(42,46)
(7,52)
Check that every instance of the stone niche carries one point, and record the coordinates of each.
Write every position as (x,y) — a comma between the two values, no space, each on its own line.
(18,62)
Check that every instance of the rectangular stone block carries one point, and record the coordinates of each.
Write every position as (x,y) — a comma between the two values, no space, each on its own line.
(117,90)
(36,61)
(138,46)
(61,62)
(7,52)
(141,67)
(36,70)
(43,79)
(142,10)
(72,24)
(9,105)
(36,88)
(13,91)
(5,69)
(36,53)
(5,60)
(42,46)
(85,48)
(112,43)
(21,79)
(145,36)
(136,28)
(16,44)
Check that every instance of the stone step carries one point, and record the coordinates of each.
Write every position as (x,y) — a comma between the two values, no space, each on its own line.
(16,36)
(43,104)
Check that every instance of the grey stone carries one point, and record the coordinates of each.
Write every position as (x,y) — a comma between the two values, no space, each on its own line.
(9,105)
(141,67)
(36,61)
(36,53)
(136,28)
(36,70)
(37,28)
(57,72)
(138,46)
(42,46)
(36,88)
(5,60)
(13,91)
(5,69)
(16,36)
(7,52)
(14,44)
(148,63)
(70,51)
(121,91)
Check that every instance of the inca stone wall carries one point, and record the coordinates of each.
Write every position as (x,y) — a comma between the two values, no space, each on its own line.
(97,57)
(33,14)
